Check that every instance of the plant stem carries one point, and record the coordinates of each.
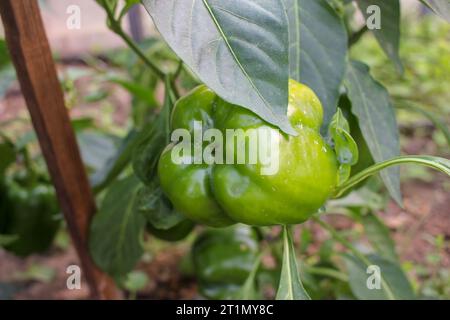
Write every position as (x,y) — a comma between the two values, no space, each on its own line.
(437,163)
(116,27)
(174,77)
(178,70)
(141,55)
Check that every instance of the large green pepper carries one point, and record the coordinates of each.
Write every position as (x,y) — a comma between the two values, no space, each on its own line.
(222,194)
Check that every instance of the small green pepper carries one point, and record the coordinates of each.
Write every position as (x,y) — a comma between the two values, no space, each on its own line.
(30,214)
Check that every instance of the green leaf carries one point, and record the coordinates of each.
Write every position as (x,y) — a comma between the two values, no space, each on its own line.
(327,272)
(157,209)
(116,233)
(248,290)
(371,104)
(8,156)
(4,54)
(238,48)
(127,7)
(131,3)
(440,164)
(112,4)
(152,141)
(138,91)
(146,153)
(318,49)
(388,36)
(379,236)
(345,147)
(290,287)
(7,239)
(37,272)
(393,285)
(115,164)
(83,123)
(361,268)
(440,7)
(434,118)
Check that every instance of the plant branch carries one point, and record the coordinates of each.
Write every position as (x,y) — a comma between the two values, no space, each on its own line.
(116,27)
(174,77)
(437,163)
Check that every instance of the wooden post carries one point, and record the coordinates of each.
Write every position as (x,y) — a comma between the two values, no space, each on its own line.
(30,52)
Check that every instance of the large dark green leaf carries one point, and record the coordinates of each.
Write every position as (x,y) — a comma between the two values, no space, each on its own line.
(290,286)
(440,7)
(317,50)
(116,233)
(238,48)
(393,285)
(388,36)
(371,104)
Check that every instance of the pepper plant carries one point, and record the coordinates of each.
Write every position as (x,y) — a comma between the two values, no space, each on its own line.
(281,65)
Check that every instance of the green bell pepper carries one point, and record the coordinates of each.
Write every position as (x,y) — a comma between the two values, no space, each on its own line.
(28,213)
(223,260)
(221,194)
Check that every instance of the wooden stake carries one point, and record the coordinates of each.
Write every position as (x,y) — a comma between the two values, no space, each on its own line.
(30,52)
